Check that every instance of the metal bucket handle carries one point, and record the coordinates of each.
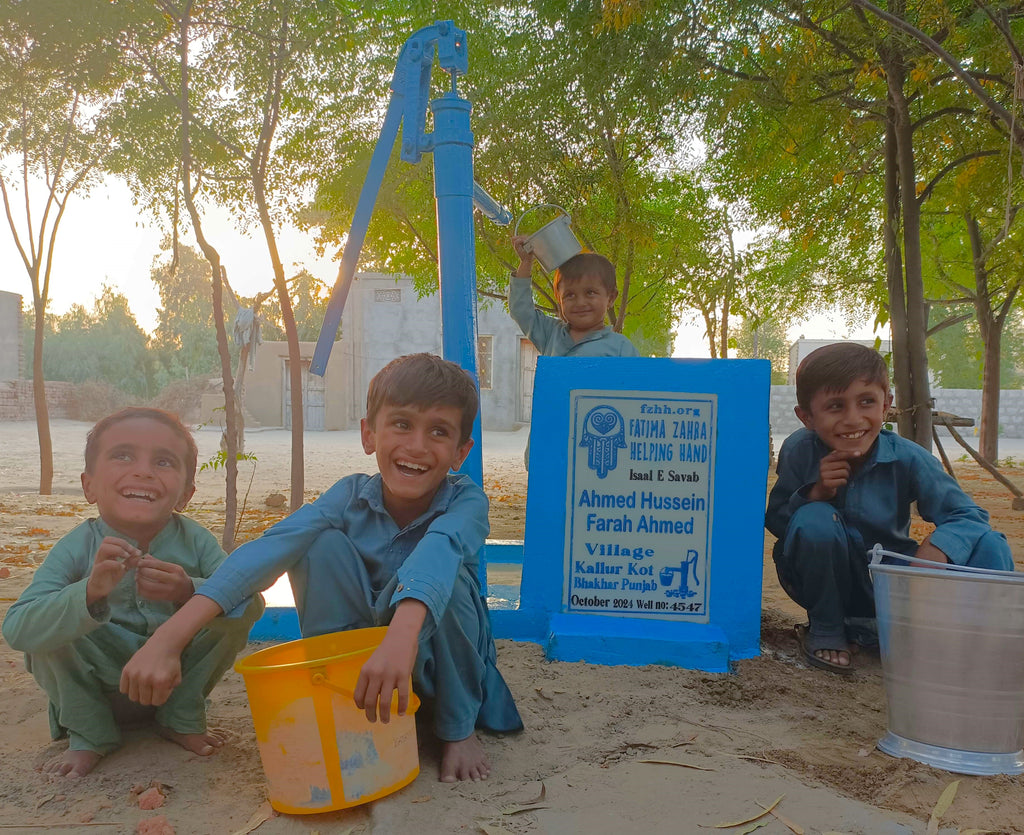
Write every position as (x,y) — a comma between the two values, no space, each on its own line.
(538,206)
(878,552)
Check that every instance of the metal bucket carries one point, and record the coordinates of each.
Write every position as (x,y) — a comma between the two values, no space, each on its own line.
(554,243)
(952,647)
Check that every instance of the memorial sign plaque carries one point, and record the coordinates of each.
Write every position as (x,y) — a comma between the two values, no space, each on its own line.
(639,504)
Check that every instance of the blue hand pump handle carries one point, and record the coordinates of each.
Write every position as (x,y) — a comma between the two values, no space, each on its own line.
(410,86)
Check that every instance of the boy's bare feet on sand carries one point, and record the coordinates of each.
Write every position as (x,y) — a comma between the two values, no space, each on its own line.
(203,744)
(464,760)
(71,764)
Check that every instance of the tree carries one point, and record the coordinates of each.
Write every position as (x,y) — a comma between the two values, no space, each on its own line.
(591,130)
(52,141)
(103,344)
(185,334)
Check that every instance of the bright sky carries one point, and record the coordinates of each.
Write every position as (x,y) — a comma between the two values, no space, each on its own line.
(104,240)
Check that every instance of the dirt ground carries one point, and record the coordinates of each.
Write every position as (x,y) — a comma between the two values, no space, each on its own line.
(606,749)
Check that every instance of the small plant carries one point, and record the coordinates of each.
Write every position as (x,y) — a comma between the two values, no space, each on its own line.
(221,460)
(962,458)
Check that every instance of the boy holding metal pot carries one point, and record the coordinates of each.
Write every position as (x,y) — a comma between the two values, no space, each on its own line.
(844,484)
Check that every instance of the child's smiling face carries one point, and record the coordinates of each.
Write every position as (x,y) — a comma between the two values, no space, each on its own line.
(585,303)
(848,420)
(415,450)
(139,477)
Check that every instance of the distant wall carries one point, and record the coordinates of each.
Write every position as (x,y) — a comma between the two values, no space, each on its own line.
(961,402)
(10,335)
(16,401)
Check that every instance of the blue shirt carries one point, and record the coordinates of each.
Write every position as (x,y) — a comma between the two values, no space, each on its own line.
(426,554)
(876,501)
(552,336)
(52,611)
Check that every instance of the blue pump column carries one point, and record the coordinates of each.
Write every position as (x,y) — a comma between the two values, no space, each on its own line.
(453,194)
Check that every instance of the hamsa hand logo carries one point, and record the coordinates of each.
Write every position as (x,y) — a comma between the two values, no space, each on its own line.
(604,434)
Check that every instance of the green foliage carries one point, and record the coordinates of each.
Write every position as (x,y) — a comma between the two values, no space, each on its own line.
(221,458)
(185,338)
(956,354)
(765,340)
(104,344)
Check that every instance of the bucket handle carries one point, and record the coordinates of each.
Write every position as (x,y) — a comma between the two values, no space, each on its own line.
(323,681)
(320,679)
(878,552)
(538,206)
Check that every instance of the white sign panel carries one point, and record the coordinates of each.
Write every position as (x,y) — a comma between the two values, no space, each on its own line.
(638,524)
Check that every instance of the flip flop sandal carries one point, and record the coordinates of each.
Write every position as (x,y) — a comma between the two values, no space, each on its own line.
(810,644)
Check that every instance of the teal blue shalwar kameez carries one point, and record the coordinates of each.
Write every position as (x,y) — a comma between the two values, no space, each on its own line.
(76,652)
(349,566)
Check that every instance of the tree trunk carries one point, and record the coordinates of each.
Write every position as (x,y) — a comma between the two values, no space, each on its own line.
(992,339)
(921,403)
(258,169)
(39,400)
(988,436)
(213,257)
(894,279)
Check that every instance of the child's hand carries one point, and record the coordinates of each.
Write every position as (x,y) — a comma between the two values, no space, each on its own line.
(927,551)
(387,670)
(833,473)
(151,674)
(525,268)
(159,580)
(113,559)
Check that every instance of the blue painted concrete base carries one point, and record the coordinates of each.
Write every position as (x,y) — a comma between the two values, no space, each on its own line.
(278,623)
(598,639)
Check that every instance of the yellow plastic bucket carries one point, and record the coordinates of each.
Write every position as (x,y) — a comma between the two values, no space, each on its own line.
(319,751)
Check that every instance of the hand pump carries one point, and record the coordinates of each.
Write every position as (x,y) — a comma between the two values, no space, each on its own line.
(455,193)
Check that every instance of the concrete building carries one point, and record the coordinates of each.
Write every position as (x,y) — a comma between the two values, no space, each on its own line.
(10,335)
(802,347)
(383,319)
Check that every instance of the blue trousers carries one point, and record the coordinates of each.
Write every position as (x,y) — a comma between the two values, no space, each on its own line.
(823,565)
(456,662)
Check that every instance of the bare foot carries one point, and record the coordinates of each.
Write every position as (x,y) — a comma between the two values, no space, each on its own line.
(203,744)
(464,760)
(71,764)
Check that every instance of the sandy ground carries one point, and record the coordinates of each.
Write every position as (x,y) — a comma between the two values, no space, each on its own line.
(596,738)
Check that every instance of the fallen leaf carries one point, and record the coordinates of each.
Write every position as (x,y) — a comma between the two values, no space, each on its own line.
(792,827)
(540,797)
(515,810)
(942,806)
(767,810)
(673,762)
(755,825)
(259,817)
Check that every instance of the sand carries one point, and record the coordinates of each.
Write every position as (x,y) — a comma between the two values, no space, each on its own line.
(773,728)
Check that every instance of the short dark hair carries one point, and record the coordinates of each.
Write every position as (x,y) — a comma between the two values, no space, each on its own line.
(92,440)
(422,381)
(834,367)
(582,264)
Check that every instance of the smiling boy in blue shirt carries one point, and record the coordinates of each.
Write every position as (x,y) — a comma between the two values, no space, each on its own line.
(844,484)
(399,548)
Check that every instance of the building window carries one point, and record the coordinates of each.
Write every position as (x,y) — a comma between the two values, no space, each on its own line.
(392,296)
(485,359)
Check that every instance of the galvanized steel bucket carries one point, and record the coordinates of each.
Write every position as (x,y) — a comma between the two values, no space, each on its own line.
(555,242)
(952,647)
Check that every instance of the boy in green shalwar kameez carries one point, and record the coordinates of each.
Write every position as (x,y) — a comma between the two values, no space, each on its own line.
(107,585)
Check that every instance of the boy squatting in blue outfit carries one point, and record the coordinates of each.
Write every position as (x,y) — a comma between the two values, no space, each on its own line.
(398,548)
(106,586)
(845,484)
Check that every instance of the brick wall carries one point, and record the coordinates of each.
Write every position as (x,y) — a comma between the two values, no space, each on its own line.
(16,399)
